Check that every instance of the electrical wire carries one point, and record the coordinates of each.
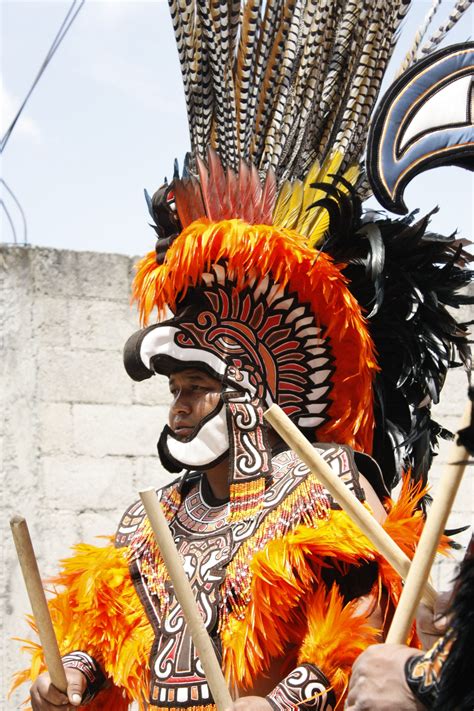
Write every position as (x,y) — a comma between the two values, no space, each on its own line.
(64,28)
(8,215)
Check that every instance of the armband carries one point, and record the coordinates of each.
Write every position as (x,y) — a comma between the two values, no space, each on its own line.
(423,673)
(305,688)
(91,670)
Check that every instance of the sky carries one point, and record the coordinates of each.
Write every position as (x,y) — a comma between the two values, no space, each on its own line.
(107,119)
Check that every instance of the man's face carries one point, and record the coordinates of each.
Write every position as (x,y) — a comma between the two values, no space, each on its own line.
(195,395)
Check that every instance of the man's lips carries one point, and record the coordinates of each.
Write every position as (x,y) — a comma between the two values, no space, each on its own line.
(183,430)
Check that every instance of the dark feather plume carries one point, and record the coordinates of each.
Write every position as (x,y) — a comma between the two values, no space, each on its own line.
(405,278)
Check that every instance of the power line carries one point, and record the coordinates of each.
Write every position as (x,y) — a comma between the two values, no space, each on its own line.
(8,215)
(65,26)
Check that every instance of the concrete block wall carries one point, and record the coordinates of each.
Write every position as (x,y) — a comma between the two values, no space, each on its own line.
(78,437)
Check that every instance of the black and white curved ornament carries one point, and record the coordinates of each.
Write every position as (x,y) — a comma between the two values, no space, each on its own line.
(425,120)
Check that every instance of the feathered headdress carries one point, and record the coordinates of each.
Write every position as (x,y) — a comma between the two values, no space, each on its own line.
(278,283)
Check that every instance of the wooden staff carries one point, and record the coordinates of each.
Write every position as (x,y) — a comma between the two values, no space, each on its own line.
(186,599)
(429,541)
(34,587)
(352,506)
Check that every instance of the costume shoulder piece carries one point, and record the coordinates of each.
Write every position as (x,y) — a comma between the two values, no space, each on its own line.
(132,519)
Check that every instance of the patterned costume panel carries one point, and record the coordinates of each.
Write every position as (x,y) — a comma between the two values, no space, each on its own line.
(208,543)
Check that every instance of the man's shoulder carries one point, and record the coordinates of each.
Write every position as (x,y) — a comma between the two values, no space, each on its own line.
(343,460)
(133,517)
(129,523)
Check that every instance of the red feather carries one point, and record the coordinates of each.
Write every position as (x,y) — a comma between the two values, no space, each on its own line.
(269,195)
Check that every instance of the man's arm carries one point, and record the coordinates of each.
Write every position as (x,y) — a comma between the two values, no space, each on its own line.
(85,679)
(96,609)
(389,676)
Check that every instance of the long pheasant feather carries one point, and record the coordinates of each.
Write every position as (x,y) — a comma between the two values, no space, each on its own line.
(263,143)
(411,55)
(245,63)
(454,16)
(278,129)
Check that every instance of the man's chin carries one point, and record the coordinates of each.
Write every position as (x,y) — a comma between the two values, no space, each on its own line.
(195,448)
(184,434)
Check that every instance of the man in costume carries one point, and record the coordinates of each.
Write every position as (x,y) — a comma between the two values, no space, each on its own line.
(279,291)
(205,538)
(277,569)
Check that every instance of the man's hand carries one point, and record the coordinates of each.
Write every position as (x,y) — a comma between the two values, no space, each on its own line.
(250,703)
(378,680)
(432,624)
(45,696)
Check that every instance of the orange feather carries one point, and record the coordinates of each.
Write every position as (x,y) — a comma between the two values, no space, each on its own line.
(282,254)
(97,609)
(287,592)
(335,638)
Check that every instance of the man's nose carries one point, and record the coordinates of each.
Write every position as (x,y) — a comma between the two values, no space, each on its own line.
(182,403)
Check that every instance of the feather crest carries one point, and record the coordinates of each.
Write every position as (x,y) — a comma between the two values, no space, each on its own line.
(261,249)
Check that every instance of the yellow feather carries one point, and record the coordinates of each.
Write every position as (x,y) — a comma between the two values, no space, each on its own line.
(317,220)
(318,227)
(306,217)
(290,214)
(330,167)
(282,203)
(317,174)
(352,175)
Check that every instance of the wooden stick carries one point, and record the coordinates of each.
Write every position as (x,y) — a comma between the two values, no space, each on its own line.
(186,599)
(429,541)
(352,506)
(34,587)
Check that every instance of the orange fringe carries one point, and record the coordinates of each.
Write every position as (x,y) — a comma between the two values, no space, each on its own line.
(254,251)
(246,499)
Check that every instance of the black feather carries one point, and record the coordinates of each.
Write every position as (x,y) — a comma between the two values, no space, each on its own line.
(404,278)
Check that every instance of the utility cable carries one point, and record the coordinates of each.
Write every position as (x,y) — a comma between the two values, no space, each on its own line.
(65,26)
